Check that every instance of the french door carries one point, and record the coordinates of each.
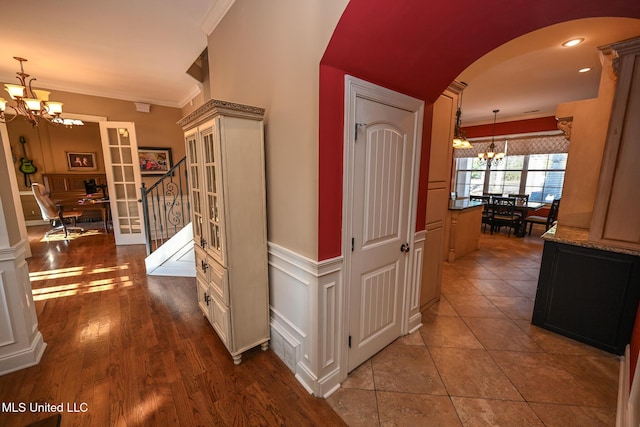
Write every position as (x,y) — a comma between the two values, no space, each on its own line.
(122,166)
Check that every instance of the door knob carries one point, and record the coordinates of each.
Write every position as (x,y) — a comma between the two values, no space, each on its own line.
(405,247)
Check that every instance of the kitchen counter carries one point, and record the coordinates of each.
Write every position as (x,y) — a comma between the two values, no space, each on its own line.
(579,237)
(464,221)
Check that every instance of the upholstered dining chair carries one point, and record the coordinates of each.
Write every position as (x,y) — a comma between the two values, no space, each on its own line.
(547,221)
(55,213)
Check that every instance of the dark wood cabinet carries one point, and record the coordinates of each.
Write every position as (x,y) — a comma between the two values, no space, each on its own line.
(587,294)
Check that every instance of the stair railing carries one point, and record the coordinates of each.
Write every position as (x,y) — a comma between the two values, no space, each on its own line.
(165,206)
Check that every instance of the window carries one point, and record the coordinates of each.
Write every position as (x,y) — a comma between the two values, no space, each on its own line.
(539,175)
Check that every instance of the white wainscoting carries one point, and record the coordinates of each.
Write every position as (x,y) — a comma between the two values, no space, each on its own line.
(415,282)
(307,312)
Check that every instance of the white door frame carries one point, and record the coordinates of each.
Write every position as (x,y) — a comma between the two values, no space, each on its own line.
(357,88)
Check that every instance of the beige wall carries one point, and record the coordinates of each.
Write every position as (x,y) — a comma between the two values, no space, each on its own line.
(46,144)
(267,54)
(588,134)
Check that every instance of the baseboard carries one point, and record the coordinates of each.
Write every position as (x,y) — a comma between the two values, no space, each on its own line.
(23,359)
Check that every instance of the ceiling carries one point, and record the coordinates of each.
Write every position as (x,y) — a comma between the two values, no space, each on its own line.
(137,50)
(140,51)
(527,77)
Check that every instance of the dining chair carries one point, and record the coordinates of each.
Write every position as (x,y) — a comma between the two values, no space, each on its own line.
(546,220)
(55,213)
(521,199)
(504,214)
(486,209)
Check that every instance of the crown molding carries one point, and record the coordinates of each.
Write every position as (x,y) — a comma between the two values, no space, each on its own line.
(216,12)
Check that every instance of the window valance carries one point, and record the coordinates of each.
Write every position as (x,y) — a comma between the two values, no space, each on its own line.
(517,145)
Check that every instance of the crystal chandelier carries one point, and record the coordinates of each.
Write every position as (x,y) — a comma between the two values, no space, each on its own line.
(32,104)
(491,157)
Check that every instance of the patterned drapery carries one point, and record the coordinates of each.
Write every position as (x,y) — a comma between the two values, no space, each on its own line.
(517,145)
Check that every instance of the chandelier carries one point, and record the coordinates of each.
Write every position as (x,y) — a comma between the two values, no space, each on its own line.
(459,135)
(491,157)
(32,104)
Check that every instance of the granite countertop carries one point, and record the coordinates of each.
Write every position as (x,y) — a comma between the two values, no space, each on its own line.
(461,204)
(580,237)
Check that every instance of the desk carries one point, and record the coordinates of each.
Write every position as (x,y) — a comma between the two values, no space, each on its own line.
(104,206)
(465,223)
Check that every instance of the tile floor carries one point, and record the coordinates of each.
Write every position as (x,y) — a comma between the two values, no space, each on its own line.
(477,360)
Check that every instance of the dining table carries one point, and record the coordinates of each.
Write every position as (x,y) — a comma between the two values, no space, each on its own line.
(525,209)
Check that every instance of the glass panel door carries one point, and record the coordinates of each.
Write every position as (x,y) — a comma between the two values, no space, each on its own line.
(124,181)
(195,190)
(212,187)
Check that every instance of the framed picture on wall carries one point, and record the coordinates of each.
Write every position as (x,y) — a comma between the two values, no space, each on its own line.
(155,160)
(81,161)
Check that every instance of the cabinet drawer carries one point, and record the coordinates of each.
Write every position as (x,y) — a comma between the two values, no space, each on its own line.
(220,320)
(218,280)
(204,296)
(202,266)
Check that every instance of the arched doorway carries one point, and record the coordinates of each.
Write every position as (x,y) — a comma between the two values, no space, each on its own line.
(388,49)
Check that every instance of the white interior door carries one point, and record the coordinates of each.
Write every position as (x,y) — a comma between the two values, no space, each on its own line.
(382,177)
(124,181)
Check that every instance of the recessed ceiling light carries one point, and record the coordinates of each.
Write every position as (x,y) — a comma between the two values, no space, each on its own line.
(584,70)
(572,42)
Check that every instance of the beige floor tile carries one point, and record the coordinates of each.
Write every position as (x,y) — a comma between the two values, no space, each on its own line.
(356,407)
(442,308)
(501,334)
(532,375)
(555,343)
(411,339)
(512,273)
(401,409)
(514,307)
(574,416)
(603,369)
(458,286)
(407,369)
(527,288)
(487,412)
(489,287)
(474,306)
(472,373)
(447,331)
(539,378)
(361,377)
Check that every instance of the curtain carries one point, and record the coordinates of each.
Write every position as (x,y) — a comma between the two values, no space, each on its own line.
(517,145)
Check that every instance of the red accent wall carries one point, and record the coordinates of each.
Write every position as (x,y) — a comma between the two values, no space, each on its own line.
(517,126)
(331,152)
(416,47)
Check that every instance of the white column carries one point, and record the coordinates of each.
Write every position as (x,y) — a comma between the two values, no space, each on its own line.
(21,343)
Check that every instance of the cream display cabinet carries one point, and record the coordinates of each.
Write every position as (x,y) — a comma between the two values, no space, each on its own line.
(225,155)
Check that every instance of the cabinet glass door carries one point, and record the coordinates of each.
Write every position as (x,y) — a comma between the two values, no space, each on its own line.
(193,157)
(213,218)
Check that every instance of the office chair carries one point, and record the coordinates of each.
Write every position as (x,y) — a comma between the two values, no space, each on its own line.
(55,213)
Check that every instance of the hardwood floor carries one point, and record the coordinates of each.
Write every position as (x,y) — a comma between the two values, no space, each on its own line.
(130,350)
